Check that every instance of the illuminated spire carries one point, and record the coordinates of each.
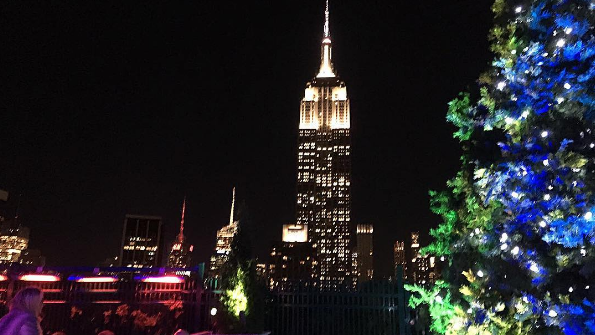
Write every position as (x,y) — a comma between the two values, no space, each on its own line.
(181,234)
(233,201)
(327,31)
(326,66)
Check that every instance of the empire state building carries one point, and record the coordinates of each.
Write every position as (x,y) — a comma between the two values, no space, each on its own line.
(324,171)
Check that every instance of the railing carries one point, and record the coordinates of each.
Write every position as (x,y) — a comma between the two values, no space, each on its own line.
(377,308)
(84,301)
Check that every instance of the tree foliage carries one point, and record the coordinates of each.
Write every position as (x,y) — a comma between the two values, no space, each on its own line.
(518,228)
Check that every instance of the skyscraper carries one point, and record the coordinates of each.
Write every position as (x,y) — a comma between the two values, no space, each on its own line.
(365,252)
(142,241)
(400,258)
(324,171)
(225,236)
(179,256)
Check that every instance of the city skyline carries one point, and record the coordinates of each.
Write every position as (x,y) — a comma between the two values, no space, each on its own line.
(133,153)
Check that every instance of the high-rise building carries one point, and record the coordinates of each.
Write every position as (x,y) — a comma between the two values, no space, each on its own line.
(422,266)
(324,171)
(293,261)
(400,258)
(142,241)
(32,257)
(225,237)
(365,252)
(179,256)
(14,239)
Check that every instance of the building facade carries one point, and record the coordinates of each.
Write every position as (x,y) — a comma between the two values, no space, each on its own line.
(324,171)
(32,257)
(14,239)
(142,241)
(400,257)
(225,237)
(365,253)
(179,255)
(423,267)
(293,262)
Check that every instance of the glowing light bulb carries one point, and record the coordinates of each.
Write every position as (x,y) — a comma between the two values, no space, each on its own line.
(583,252)
(560,100)
(477,231)
(587,287)
(480,274)
(560,43)
(504,237)
(439,299)
(547,197)
(525,114)
(534,267)
(515,251)
(542,224)
(514,194)
(570,289)
(504,246)
(501,85)
(469,311)
(546,162)
(544,133)
(518,9)
(592,145)
(508,120)
(513,52)
(567,86)
(588,216)
(552,313)
(568,30)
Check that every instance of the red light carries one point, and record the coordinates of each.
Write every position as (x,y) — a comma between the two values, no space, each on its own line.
(96,280)
(191,248)
(3,278)
(163,279)
(45,278)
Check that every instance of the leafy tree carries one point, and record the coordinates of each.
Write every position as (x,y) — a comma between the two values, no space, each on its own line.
(243,292)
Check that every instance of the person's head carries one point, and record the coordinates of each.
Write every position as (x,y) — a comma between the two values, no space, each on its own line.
(181,332)
(29,299)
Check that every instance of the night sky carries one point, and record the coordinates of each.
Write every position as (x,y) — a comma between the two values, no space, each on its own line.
(115,107)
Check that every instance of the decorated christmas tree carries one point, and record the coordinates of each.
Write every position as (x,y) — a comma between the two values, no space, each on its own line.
(518,231)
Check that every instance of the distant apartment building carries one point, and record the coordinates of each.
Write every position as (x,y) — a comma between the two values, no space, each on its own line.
(32,257)
(365,252)
(142,241)
(400,259)
(422,266)
(293,261)
(14,239)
